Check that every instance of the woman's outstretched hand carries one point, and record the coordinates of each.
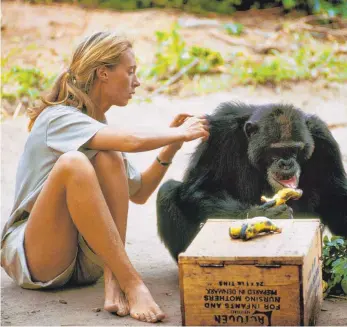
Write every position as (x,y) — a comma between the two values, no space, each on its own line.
(194,128)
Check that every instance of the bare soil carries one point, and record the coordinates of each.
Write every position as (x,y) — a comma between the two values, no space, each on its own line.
(55,30)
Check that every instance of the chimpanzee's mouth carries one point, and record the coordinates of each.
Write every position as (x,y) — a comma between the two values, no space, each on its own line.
(291,182)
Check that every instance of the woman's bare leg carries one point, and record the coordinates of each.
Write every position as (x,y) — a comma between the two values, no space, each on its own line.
(110,170)
(72,200)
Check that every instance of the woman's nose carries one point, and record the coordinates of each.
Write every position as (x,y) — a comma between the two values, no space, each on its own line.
(136,82)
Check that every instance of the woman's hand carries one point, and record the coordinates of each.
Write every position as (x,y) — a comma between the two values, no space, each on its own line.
(180,119)
(195,127)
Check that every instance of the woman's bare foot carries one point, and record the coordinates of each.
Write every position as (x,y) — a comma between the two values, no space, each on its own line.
(142,305)
(115,300)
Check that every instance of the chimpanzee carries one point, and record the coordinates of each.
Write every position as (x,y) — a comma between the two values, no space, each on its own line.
(255,150)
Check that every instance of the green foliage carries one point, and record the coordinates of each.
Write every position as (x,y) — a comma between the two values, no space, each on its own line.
(173,54)
(326,7)
(335,264)
(330,7)
(305,63)
(234,28)
(118,4)
(19,82)
(209,60)
(313,61)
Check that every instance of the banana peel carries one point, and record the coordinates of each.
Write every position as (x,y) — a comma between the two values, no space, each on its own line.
(282,196)
(253,227)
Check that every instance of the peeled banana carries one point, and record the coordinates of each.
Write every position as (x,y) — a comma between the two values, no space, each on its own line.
(253,227)
(283,196)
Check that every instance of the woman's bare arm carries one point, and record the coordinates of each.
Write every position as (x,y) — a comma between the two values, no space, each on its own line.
(153,175)
(109,138)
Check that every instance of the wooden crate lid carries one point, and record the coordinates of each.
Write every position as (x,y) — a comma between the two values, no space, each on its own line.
(213,244)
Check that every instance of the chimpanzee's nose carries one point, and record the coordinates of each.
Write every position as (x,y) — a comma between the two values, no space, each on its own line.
(286,164)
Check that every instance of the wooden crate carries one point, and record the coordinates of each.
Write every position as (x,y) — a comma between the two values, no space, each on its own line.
(270,280)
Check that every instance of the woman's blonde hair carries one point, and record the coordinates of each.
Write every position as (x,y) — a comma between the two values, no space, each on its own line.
(72,86)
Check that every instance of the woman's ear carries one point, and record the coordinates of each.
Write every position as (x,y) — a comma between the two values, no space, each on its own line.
(102,73)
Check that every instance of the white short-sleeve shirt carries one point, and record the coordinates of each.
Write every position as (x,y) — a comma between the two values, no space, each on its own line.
(57,130)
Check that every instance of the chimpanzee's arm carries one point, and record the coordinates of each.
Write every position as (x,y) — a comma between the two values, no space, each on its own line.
(325,174)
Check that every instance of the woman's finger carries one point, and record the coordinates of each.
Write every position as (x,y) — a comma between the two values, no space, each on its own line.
(180,119)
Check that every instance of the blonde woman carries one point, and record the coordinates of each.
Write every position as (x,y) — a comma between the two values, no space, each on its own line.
(73,186)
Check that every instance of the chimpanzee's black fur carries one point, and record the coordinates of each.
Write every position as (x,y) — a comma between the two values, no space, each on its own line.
(228,173)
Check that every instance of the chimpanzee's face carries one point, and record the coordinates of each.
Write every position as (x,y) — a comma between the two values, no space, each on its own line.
(283,168)
(278,143)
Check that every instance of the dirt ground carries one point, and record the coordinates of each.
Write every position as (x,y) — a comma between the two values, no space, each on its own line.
(50,29)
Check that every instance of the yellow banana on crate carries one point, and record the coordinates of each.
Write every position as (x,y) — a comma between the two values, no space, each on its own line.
(282,196)
(253,227)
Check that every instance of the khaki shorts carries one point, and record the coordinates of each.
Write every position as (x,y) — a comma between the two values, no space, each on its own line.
(86,268)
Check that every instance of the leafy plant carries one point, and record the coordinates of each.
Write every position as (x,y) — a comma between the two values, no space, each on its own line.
(173,54)
(209,60)
(305,63)
(19,82)
(332,8)
(335,264)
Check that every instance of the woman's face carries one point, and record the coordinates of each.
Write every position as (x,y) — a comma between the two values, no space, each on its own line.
(122,80)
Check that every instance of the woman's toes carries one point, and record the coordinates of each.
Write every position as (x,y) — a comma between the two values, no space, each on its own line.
(135,315)
(143,317)
(122,312)
(153,317)
(160,316)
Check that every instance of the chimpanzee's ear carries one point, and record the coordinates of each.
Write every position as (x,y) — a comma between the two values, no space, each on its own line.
(250,128)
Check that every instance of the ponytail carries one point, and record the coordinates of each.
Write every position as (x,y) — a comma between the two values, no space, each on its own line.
(64,91)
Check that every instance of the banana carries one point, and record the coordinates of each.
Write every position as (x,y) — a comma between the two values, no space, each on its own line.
(325,286)
(283,196)
(253,227)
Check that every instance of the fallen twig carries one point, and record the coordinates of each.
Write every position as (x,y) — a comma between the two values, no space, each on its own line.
(303,23)
(262,49)
(176,77)
(338,297)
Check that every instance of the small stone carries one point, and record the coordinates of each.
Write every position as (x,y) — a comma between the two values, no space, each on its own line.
(62,301)
(34,311)
(5,317)
(168,294)
(96,310)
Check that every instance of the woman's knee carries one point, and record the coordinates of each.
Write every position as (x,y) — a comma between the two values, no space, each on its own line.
(109,159)
(75,163)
